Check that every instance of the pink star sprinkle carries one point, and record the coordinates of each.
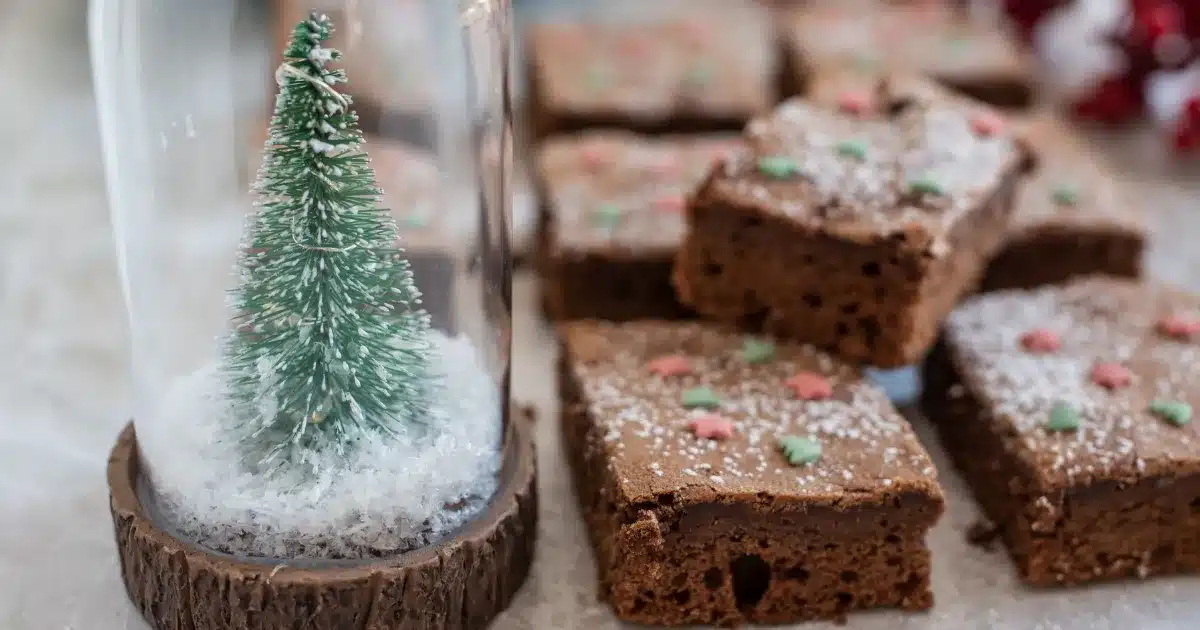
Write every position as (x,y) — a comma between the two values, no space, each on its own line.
(670,365)
(1111,375)
(1178,326)
(670,203)
(810,386)
(711,426)
(987,123)
(857,103)
(1041,340)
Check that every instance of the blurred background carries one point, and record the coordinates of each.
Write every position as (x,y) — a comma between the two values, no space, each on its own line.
(64,388)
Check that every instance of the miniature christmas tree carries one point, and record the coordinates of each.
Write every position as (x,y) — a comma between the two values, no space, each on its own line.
(330,343)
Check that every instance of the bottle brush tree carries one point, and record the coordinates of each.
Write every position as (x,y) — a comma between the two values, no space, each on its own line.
(329,344)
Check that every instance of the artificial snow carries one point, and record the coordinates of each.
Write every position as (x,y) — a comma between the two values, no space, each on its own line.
(390,496)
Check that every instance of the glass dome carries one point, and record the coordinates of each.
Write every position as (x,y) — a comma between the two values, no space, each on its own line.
(313,243)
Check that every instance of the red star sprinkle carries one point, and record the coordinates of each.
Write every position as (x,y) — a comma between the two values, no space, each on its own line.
(711,426)
(1111,375)
(987,123)
(1178,326)
(857,103)
(810,386)
(593,157)
(1041,340)
(670,203)
(670,365)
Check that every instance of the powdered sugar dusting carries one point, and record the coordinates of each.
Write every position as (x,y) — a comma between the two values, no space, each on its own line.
(646,432)
(1098,321)
(390,495)
(857,192)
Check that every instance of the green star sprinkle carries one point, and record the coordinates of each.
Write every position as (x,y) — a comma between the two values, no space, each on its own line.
(856,149)
(598,77)
(1173,411)
(1063,417)
(864,62)
(607,215)
(1065,195)
(799,450)
(700,397)
(925,186)
(957,43)
(778,167)
(757,350)
(700,74)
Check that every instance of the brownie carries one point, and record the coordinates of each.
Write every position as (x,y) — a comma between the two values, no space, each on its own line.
(433,239)
(727,480)
(928,38)
(1072,217)
(1067,410)
(856,228)
(708,73)
(612,220)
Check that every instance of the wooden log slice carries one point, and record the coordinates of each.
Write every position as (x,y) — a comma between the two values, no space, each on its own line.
(462,582)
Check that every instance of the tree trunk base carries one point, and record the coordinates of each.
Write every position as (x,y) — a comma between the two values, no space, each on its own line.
(462,582)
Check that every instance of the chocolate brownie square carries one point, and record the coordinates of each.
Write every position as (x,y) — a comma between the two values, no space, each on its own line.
(433,237)
(926,38)
(612,220)
(856,227)
(1071,219)
(727,480)
(709,73)
(1067,409)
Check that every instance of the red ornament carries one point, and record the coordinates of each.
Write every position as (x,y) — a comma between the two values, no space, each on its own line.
(1114,100)
(810,386)
(1187,128)
(1156,20)
(1041,341)
(1179,326)
(711,426)
(1111,375)
(670,365)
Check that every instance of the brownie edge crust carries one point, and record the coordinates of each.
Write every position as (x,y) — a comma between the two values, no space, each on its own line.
(1117,495)
(709,550)
(854,228)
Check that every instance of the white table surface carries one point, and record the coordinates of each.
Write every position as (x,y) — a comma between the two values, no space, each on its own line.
(64,392)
